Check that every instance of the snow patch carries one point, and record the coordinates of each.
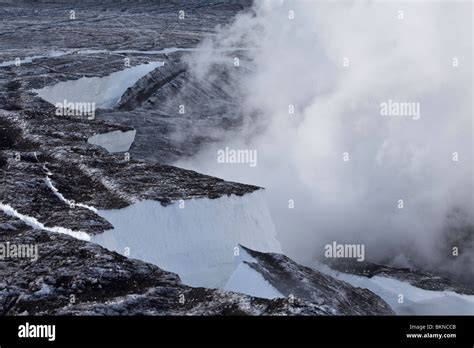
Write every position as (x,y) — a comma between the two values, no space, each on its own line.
(116,141)
(33,222)
(105,92)
(248,281)
(197,242)
(416,301)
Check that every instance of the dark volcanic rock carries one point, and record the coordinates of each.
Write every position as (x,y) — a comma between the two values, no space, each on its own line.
(51,178)
(176,114)
(144,88)
(109,25)
(338,297)
(72,277)
(97,49)
(86,174)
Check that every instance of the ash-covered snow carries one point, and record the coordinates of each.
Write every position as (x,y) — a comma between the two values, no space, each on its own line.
(116,141)
(196,241)
(105,91)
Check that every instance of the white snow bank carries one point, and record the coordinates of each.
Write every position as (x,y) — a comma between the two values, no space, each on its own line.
(105,92)
(247,281)
(197,241)
(33,222)
(416,301)
(116,141)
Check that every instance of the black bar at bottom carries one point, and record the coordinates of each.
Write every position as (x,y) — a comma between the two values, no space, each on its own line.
(420,330)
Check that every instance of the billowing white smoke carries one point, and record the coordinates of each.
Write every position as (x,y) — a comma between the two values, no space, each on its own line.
(336,63)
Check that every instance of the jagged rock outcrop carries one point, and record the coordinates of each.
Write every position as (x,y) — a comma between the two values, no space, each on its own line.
(293,280)
(147,85)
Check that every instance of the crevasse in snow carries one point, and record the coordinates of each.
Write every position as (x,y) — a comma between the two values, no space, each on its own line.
(196,241)
(105,92)
(116,141)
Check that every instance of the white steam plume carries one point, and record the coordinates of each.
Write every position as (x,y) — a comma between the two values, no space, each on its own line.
(336,62)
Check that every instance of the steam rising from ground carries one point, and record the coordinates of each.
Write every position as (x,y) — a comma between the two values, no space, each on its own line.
(336,62)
